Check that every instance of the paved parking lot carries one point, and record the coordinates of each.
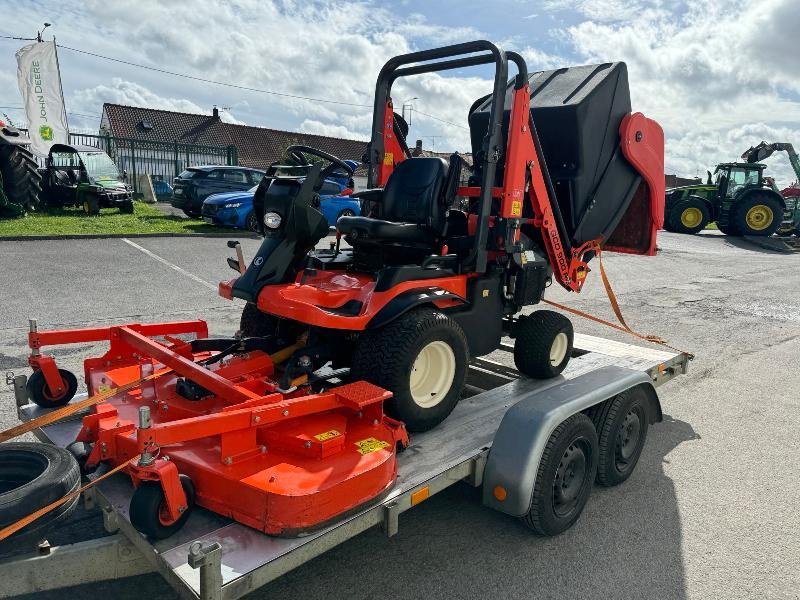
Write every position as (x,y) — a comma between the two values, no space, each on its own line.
(711,511)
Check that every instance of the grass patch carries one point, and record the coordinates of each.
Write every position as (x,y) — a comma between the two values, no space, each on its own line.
(146,218)
(712,226)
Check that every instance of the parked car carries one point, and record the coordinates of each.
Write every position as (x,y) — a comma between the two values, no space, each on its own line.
(162,189)
(235,209)
(195,184)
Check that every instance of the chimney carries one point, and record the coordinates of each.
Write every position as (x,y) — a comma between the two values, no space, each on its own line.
(417,151)
(215,113)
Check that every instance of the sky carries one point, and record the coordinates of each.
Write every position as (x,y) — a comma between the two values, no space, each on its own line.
(718,75)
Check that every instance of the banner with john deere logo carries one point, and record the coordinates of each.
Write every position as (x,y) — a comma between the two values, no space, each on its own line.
(40,85)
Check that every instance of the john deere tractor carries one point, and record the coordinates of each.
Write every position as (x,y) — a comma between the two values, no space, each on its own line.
(20,182)
(740,201)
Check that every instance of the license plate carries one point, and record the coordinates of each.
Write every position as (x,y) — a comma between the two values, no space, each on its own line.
(208,220)
(179,192)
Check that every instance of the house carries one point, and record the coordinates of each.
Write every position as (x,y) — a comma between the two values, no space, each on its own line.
(205,139)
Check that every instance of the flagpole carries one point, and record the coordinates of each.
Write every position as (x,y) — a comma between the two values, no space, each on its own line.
(61,87)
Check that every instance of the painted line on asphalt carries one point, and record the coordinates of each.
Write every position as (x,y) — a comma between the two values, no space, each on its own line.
(172,266)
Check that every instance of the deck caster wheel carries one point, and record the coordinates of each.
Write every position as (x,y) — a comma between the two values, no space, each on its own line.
(621,437)
(148,512)
(40,393)
(421,357)
(543,344)
(564,480)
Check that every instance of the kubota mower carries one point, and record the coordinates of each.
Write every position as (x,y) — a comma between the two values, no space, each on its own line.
(562,169)
(282,427)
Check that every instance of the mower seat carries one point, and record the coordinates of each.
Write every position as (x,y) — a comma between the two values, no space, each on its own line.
(413,210)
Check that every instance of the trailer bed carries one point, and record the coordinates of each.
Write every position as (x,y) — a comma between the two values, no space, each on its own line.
(456,450)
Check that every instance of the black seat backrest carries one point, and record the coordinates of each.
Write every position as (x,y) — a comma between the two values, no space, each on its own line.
(453,179)
(414,191)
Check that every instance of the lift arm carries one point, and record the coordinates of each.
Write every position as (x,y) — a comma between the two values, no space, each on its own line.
(765,150)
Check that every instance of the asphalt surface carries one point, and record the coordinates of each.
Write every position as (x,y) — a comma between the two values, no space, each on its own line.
(711,511)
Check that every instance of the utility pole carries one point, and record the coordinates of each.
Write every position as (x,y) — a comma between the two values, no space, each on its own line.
(410,108)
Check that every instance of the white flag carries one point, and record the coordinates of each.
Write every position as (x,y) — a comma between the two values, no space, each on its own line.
(40,85)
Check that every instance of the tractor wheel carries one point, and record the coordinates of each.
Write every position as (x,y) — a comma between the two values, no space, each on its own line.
(21,182)
(148,513)
(690,216)
(728,229)
(564,480)
(543,344)
(758,214)
(421,357)
(40,393)
(621,437)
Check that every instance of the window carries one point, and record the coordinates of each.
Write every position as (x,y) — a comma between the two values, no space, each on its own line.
(215,175)
(232,176)
(256,177)
(329,189)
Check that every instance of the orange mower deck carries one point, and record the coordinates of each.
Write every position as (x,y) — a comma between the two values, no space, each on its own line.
(282,463)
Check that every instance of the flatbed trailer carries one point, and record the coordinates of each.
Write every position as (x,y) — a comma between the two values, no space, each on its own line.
(212,557)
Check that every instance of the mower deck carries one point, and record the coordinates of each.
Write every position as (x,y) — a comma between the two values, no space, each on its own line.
(234,559)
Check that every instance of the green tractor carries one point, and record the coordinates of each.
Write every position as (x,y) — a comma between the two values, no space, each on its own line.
(20,182)
(740,200)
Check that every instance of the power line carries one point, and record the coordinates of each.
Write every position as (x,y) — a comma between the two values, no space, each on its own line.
(439,119)
(69,112)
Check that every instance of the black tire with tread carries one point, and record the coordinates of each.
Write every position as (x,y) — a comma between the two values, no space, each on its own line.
(145,506)
(541,516)
(126,208)
(386,356)
(33,475)
(691,202)
(609,472)
(739,211)
(535,334)
(22,182)
(728,229)
(40,393)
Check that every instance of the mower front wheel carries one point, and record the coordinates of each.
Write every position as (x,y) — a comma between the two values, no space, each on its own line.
(40,392)
(421,357)
(543,344)
(148,511)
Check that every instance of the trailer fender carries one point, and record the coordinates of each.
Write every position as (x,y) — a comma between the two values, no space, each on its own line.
(514,457)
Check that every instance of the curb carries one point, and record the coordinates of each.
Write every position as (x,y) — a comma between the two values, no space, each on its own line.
(106,236)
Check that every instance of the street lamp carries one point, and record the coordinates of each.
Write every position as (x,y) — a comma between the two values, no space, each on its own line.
(39,33)
(410,108)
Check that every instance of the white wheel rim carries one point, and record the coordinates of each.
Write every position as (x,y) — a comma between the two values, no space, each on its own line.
(559,349)
(432,374)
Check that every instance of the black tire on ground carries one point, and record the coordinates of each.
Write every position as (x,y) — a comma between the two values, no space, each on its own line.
(251,222)
(90,204)
(147,507)
(421,357)
(758,214)
(22,183)
(40,393)
(668,226)
(728,229)
(689,216)
(621,436)
(33,475)
(567,470)
(543,344)
(126,208)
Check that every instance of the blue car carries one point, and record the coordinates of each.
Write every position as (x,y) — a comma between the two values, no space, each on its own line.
(235,209)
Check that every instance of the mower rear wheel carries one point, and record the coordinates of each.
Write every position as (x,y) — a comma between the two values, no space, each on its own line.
(148,509)
(40,393)
(421,357)
(543,344)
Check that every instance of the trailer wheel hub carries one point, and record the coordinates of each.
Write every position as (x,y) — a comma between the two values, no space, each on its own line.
(759,217)
(569,479)
(432,374)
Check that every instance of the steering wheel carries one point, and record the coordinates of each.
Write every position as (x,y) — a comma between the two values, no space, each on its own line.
(298,153)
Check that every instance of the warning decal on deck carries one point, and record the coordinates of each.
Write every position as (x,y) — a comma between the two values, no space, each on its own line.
(321,437)
(371,445)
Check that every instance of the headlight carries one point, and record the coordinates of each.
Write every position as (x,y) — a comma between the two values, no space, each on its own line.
(233,205)
(272,220)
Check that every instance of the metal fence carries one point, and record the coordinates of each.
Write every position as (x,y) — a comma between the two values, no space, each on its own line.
(160,160)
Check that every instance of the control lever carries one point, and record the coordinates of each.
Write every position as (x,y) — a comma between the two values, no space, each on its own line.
(237,264)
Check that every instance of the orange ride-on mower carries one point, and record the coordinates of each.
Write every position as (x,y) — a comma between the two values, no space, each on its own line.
(562,169)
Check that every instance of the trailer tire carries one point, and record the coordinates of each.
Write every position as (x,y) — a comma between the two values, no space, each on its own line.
(621,436)
(559,496)
(33,475)
(543,344)
(40,393)
(421,357)
(146,506)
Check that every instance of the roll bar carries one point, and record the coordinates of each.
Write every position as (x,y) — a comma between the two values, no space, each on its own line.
(429,61)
